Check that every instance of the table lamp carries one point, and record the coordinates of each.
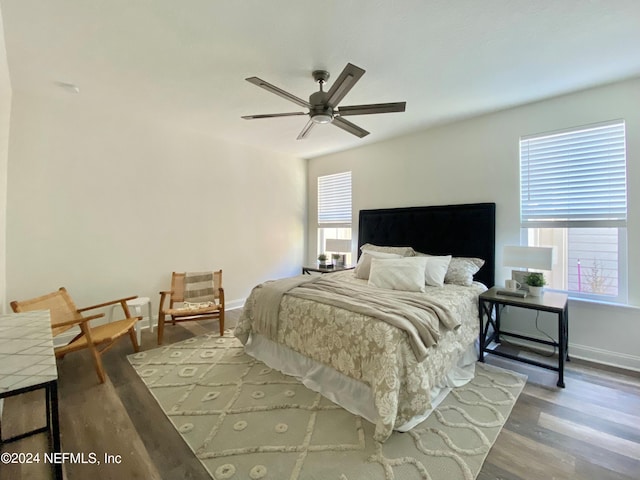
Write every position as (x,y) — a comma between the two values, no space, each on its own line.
(536,258)
(339,246)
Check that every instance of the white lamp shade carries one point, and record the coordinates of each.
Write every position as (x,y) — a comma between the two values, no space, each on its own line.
(538,258)
(338,246)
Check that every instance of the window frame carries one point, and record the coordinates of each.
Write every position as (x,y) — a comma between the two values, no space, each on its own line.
(343,217)
(615,217)
(623,293)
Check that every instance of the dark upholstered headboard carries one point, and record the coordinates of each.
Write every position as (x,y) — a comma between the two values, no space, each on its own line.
(458,230)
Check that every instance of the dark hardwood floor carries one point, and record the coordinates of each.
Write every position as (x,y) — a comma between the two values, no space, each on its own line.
(589,430)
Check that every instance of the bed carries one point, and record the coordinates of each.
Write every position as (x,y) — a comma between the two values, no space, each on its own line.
(379,369)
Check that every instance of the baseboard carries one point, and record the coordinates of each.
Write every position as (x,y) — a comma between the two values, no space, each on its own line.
(589,354)
(234,304)
(605,357)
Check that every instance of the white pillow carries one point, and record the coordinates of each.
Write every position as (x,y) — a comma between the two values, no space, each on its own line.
(461,269)
(405,273)
(364,262)
(436,270)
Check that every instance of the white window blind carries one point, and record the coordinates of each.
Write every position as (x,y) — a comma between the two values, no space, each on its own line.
(334,200)
(574,178)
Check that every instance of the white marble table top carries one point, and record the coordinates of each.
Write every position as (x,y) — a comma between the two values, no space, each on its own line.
(26,350)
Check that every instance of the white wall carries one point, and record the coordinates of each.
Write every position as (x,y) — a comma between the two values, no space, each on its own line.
(477,160)
(108,203)
(5,113)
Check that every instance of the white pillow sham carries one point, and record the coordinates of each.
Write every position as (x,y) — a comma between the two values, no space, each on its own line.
(436,270)
(407,273)
(460,270)
(363,266)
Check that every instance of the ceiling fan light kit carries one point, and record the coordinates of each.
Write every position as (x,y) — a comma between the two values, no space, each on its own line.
(322,117)
(323,106)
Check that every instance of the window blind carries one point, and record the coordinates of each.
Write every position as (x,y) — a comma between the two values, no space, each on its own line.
(334,200)
(574,178)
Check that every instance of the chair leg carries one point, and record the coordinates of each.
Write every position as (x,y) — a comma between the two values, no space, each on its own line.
(138,311)
(160,326)
(134,338)
(97,359)
(222,322)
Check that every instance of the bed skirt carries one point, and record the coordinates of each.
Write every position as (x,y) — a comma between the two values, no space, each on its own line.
(353,395)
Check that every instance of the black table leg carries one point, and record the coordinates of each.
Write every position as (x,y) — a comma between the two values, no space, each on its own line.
(481,331)
(566,334)
(55,426)
(562,345)
(496,308)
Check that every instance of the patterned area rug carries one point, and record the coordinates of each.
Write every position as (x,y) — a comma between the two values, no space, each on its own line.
(244,420)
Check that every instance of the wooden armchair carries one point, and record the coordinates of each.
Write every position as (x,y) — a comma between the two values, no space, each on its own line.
(65,315)
(193,296)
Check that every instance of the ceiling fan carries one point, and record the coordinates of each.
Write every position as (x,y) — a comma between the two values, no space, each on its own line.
(323,106)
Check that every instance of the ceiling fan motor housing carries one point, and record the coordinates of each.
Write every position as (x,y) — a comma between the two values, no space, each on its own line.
(320,112)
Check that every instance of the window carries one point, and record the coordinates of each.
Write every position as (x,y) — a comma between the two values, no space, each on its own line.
(334,210)
(573,196)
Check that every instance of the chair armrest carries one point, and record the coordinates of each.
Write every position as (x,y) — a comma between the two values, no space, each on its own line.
(106,304)
(79,320)
(221,296)
(163,295)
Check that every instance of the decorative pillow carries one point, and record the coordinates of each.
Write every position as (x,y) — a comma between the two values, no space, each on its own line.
(462,269)
(402,251)
(436,270)
(364,262)
(199,287)
(398,273)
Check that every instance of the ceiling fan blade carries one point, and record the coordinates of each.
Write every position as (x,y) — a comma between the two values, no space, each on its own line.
(373,108)
(305,131)
(347,126)
(272,115)
(278,91)
(343,84)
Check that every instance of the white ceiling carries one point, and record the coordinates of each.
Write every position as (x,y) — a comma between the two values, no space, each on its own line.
(185,62)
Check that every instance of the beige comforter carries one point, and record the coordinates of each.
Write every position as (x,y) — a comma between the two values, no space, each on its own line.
(370,350)
(416,314)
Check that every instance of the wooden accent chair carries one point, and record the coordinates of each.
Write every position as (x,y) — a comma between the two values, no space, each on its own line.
(193,296)
(65,315)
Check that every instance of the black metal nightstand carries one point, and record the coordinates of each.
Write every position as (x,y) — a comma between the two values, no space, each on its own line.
(490,301)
